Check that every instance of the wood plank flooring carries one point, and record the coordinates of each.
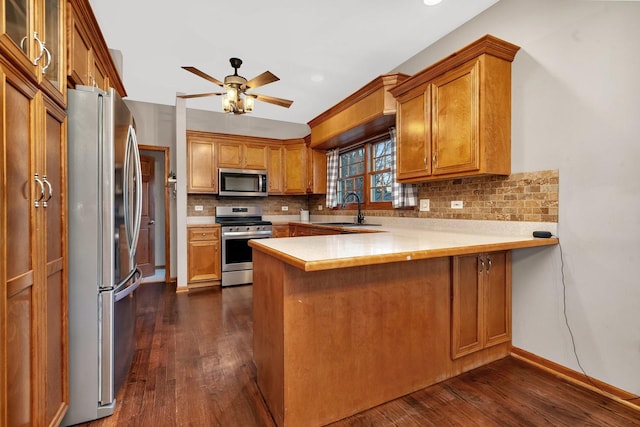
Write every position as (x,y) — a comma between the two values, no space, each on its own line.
(193,367)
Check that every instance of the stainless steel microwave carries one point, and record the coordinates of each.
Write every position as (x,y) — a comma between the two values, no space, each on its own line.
(242,182)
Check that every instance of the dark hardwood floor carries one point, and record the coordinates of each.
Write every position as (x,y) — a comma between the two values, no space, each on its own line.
(193,367)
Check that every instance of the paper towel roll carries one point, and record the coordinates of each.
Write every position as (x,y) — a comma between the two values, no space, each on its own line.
(304,215)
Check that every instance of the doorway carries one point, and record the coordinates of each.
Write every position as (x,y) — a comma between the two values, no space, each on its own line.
(157,240)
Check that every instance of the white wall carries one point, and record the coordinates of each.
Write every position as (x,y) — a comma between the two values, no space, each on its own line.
(576,108)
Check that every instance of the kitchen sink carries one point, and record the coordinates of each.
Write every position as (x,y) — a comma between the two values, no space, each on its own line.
(345,224)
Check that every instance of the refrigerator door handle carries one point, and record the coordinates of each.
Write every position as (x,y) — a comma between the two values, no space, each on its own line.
(138,181)
(125,191)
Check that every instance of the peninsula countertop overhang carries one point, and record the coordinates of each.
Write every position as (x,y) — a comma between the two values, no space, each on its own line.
(389,244)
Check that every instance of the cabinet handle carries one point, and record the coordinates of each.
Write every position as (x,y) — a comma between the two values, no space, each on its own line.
(42,48)
(435,159)
(488,264)
(481,264)
(46,181)
(204,234)
(36,177)
(46,51)
(424,160)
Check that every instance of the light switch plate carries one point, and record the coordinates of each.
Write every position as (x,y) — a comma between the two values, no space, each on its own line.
(424,205)
(456,204)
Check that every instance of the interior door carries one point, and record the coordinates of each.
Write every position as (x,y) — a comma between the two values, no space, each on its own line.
(145,255)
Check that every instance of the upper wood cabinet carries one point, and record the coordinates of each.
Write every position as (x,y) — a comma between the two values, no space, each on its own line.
(368,112)
(234,154)
(305,169)
(454,118)
(89,60)
(275,175)
(202,173)
(33,40)
(481,302)
(295,168)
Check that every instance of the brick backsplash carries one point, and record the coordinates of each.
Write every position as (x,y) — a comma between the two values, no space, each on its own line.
(526,196)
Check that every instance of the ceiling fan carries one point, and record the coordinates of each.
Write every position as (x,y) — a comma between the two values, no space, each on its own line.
(235,98)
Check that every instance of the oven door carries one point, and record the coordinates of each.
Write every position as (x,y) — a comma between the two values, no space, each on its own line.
(236,252)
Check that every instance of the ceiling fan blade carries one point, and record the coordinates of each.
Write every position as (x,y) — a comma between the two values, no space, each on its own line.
(261,80)
(205,76)
(273,100)
(201,95)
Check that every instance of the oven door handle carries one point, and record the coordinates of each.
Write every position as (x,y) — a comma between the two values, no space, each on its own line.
(249,234)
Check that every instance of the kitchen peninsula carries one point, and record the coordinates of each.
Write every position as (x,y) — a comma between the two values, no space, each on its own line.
(345,322)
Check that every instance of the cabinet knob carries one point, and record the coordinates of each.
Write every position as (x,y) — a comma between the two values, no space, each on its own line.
(204,234)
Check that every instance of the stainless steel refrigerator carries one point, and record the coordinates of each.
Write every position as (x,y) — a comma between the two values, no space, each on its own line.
(105,198)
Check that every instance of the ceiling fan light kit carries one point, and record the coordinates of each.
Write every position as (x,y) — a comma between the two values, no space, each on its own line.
(235,99)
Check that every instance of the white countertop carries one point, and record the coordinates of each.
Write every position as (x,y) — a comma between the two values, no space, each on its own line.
(391,244)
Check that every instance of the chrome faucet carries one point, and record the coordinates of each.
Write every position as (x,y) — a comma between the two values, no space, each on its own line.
(344,202)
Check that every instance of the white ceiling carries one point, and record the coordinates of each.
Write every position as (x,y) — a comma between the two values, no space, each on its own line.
(322,51)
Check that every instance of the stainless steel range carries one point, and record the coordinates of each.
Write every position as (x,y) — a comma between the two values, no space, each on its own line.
(238,226)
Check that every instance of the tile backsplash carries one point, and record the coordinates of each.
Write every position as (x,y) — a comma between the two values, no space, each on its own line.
(526,196)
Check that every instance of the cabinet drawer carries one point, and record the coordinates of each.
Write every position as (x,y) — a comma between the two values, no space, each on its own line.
(203,233)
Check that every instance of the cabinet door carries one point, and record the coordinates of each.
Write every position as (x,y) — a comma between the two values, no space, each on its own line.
(295,167)
(274,170)
(79,51)
(497,298)
(413,151)
(19,250)
(455,120)
(229,155)
(53,235)
(203,254)
(202,170)
(51,67)
(17,39)
(255,156)
(316,172)
(466,317)
(481,302)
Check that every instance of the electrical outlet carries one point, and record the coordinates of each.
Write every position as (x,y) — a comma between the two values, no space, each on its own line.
(199,208)
(424,205)
(285,208)
(456,204)
(319,207)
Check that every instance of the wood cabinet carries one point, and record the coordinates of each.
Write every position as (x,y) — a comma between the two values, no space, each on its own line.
(275,174)
(299,230)
(305,169)
(203,255)
(32,40)
(280,230)
(202,172)
(481,302)
(89,60)
(242,155)
(33,307)
(295,168)
(454,118)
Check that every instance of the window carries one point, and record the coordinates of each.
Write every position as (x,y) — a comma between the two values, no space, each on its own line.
(366,170)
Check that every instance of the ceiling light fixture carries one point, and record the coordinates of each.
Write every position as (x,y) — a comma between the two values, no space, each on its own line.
(431,2)
(235,100)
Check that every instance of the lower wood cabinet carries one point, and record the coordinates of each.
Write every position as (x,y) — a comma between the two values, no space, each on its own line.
(203,255)
(280,230)
(481,302)
(298,230)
